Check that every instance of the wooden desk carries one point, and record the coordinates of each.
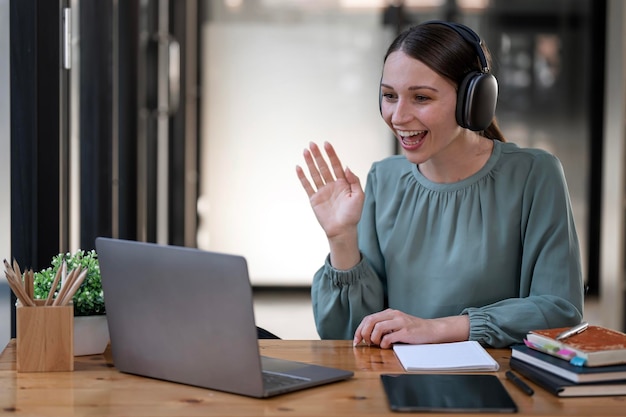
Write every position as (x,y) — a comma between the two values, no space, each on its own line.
(97,388)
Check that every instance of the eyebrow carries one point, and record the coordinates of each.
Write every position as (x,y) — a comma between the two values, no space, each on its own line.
(412,88)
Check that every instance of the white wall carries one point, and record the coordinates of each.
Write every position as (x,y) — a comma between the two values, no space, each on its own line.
(268,90)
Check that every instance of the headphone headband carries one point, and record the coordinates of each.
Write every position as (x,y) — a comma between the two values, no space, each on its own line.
(470,36)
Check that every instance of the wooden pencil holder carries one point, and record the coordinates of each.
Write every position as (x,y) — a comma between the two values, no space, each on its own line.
(45,338)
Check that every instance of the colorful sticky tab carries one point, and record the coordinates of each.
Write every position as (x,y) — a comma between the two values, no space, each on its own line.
(551,348)
(530,344)
(577,361)
(566,353)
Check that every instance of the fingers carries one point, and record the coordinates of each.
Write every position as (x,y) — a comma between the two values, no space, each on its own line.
(304,181)
(389,339)
(358,338)
(318,167)
(334,160)
(320,161)
(373,329)
(311,156)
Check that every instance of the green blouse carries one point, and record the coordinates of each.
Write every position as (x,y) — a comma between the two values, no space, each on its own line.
(499,246)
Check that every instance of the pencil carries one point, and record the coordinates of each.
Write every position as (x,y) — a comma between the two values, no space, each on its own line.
(75,286)
(65,285)
(29,283)
(16,285)
(55,283)
(16,269)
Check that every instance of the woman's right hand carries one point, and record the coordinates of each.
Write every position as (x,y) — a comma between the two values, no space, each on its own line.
(335,194)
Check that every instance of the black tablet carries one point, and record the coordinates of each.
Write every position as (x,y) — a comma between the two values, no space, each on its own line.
(454,393)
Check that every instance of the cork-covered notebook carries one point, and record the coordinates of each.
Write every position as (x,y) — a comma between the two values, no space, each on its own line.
(596,346)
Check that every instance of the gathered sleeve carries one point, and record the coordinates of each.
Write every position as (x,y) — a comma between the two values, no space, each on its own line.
(342,298)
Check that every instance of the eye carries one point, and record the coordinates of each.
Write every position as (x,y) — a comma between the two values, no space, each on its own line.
(389,96)
(421,98)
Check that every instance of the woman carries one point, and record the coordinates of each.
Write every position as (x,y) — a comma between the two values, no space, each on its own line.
(463,237)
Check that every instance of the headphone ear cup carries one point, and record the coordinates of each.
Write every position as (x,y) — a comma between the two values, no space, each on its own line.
(476,101)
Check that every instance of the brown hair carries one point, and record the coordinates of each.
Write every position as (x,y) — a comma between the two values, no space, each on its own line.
(447,53)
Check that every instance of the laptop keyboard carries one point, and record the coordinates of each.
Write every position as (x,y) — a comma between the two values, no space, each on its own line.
(273,380)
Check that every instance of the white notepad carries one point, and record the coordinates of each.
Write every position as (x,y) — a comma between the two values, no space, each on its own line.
(451,357)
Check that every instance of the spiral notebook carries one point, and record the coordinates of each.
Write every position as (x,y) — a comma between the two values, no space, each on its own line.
(441,357)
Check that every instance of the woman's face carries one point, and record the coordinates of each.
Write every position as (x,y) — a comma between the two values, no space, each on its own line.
(419,106)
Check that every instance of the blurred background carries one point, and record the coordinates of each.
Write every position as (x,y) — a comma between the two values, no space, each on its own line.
(181,122)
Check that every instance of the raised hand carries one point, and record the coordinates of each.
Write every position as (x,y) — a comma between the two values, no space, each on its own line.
(335,194)
(337,199)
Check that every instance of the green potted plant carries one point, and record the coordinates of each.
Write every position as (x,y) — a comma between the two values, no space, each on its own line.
(90,327)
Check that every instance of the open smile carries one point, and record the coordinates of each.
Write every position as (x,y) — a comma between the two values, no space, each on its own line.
(411,139)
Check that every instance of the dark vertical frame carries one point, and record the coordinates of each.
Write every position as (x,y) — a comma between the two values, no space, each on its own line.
(146,113)
(64,126)
(151,121)
(596,131)
(183,134)
(128,40)
(108,119)
(177,135)
(96,112)
(35,106)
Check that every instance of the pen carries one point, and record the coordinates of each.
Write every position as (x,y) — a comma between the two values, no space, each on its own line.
(519,383)
(574,330)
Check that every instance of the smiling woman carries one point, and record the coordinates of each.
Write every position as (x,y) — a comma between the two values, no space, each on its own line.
(461,235)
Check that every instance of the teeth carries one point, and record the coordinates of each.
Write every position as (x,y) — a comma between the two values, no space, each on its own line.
(407,133)
(411,137)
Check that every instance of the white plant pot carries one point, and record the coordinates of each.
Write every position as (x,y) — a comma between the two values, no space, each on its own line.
(91,335)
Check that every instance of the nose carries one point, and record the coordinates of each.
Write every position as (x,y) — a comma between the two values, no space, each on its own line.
(401,112)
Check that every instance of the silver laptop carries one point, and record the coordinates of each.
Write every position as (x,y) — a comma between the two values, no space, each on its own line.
(186,315)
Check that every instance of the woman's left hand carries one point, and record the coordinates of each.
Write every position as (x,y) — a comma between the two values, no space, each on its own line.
(392,326)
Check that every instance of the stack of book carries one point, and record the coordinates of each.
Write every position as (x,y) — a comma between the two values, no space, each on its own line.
(589,363)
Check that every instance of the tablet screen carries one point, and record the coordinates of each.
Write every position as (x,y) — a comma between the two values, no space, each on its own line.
(471,393)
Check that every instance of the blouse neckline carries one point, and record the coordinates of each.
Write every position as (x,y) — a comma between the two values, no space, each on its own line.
(453,186)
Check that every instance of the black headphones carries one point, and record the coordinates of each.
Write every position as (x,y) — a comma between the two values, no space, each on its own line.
(478,91)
